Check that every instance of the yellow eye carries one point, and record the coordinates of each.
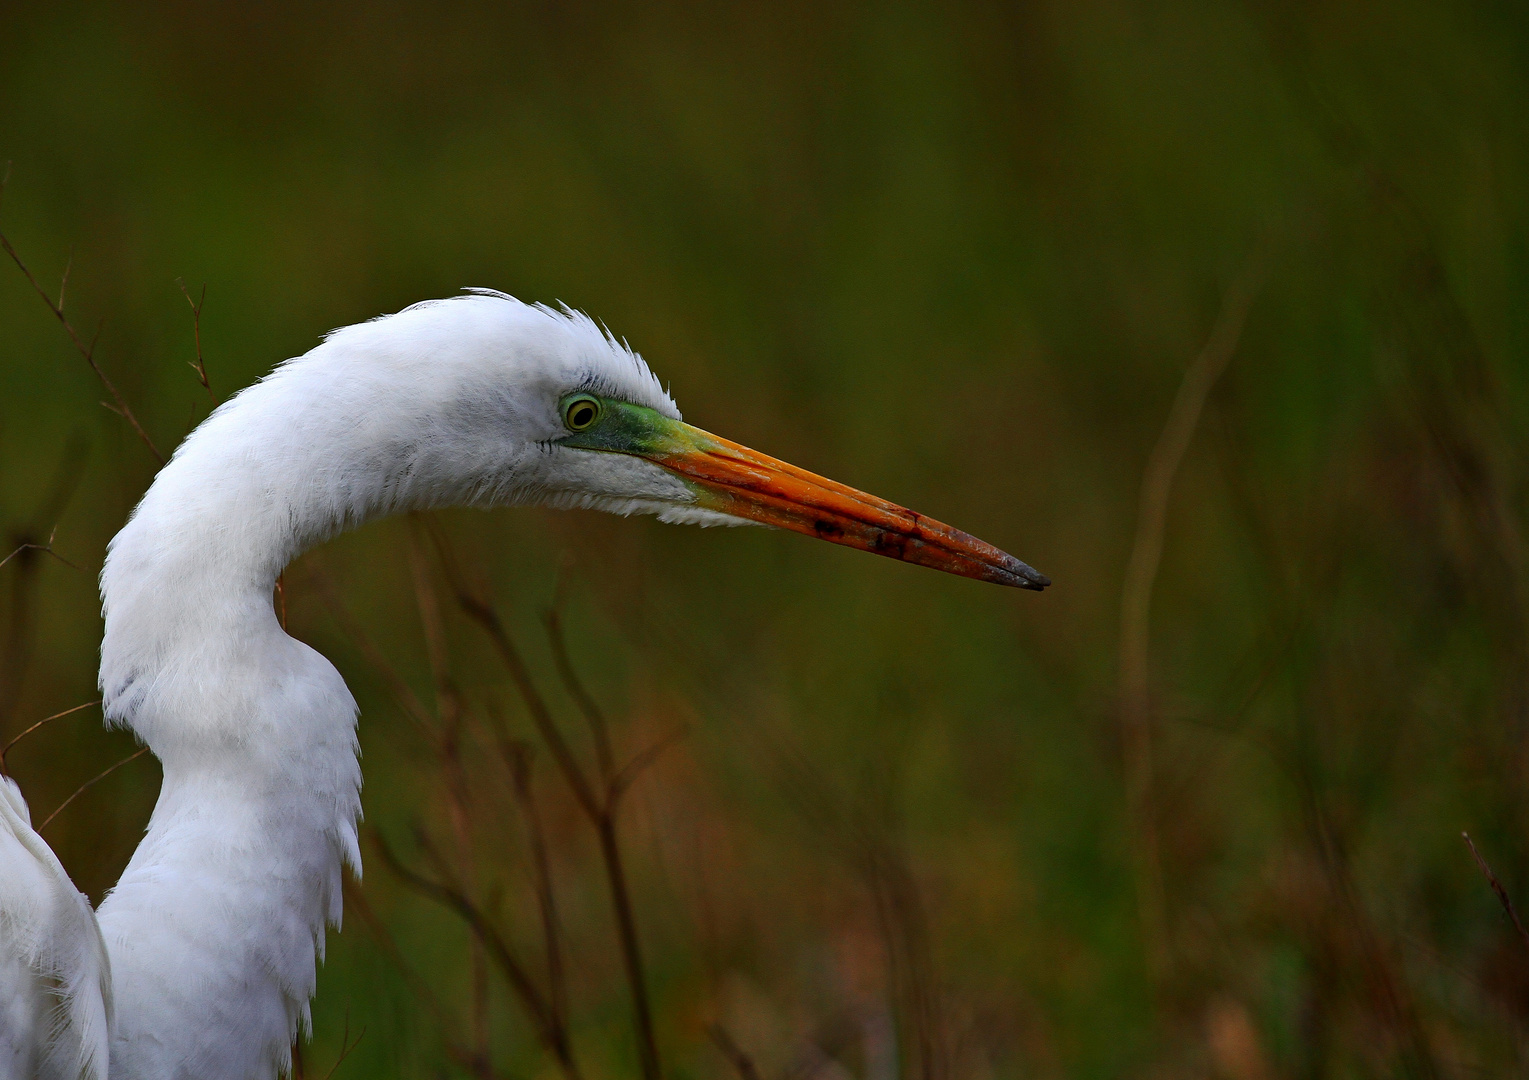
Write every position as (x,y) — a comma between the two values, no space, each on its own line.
(581,413)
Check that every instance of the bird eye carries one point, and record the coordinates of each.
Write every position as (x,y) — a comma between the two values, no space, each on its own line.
(581,413)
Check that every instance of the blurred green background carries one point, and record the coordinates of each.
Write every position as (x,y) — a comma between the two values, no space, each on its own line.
(960,255)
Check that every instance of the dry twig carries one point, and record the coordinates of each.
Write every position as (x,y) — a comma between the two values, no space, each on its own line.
(346,1046)
(46,549)
(356,899)
(102,775)
(16,648)
(118,404)
(601,808)
(517,756)
(1497,887)
(6,749)
(450,713)
(449,895)
(590,709)
(1136,595)
(441,731)
(736,1056)
(199,365)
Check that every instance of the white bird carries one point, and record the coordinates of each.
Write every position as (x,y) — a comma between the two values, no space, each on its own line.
(200,963)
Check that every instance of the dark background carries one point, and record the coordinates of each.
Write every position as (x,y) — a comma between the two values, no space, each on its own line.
(960,255)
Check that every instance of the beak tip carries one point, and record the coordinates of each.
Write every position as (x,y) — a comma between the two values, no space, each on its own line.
(1024,576)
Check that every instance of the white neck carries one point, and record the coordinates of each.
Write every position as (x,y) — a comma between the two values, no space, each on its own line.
(214,928)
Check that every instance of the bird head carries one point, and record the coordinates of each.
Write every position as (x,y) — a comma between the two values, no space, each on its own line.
(605,435)
(481,399)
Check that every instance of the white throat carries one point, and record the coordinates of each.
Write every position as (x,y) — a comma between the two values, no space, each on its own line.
(215,927)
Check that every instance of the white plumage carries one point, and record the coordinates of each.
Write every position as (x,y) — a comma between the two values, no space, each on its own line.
(55,987)
(214,930)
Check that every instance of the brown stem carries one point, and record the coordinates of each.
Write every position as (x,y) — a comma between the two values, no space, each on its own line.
(448,701)
(628,773)
(581,697)
(600,810)
(484,614)
(16,652)
(631,952)
(530,997)
(88,352)
(200,367)
(517,757)
(450,712)
(346,1046)
(1136,600)
(742,1064)
(46,549)
(398,688)
(356,899)
(6,749)
(1497,887)
(102,775)
(601,814)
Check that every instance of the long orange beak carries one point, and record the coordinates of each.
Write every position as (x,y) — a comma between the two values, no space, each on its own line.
(732,479)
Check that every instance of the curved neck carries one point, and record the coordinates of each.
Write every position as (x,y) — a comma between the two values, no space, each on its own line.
(186,588)
(216,925)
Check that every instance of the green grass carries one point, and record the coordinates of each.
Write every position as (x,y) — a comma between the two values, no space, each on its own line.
(960,257)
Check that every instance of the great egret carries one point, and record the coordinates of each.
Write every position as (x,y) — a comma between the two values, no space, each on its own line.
(201,961)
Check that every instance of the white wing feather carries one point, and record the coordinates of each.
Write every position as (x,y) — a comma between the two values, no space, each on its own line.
(55,983)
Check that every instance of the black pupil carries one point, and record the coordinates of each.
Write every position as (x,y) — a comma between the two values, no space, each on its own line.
(583,414)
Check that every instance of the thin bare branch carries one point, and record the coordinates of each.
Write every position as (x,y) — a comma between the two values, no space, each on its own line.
(631,951)
(606,825)
(1497,887)
(600,810)
(356,899)
(1163,466)
(450,711)
(64,281)
(1136,598)
(346,1046)
(742,1064)
(88,352)
(634,768)
(403,695)
(200,365)
(575,687)
(517,757)
(102,775)
(449,896)
(45,720)
(449,706)
(46,549)
(16,649)
(484,614)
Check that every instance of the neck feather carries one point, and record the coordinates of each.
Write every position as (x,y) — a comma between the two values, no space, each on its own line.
(215,927)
